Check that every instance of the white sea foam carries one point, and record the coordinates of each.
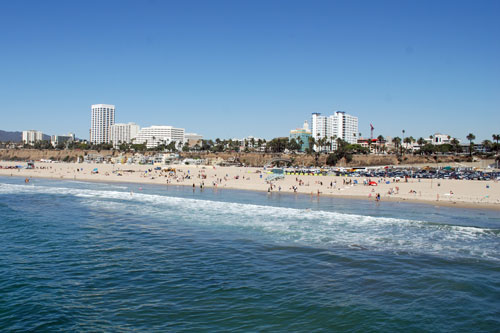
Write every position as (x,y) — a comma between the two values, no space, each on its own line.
(305,227)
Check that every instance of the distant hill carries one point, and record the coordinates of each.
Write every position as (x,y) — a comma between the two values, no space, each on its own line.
(11,136)
(16,136)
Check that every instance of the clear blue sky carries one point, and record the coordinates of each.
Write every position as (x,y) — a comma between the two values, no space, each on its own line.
(236,68)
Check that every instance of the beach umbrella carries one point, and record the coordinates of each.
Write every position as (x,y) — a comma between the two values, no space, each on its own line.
(95,170)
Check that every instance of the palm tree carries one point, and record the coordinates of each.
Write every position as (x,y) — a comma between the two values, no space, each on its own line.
(456,145)
(412,141)
(407,141)
(496,137)
(487,144)
(324,141)
(319,142)
(397,142)
(340,143)
(311,142)
(403,131)
(421,141)
(471,137)
(380,139)
(332,139)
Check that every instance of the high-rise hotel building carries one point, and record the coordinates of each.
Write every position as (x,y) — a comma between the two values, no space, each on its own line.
(123,133)
(339,125)
(103,116)
(32,136)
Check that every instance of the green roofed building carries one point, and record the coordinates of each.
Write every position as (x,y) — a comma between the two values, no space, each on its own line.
(301,135)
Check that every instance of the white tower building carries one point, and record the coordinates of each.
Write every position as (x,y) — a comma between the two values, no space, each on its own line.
(347,127)
(103,116)
(320,126)
(32,136)
(339,125)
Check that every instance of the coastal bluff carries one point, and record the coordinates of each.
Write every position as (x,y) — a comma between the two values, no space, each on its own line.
(250,159)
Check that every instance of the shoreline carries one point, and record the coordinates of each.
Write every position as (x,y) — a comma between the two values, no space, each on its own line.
(253,179)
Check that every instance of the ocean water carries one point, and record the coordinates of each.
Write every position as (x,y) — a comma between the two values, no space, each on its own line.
(78,256)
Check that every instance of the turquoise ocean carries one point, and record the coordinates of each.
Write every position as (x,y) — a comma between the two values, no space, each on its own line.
(81,256)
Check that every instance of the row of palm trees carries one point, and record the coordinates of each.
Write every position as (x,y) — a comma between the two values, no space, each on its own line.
(486,143)
(323,142)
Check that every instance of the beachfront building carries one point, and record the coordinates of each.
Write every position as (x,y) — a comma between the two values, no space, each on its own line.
(193,139)
(156,135)
(251,142)
(123,133)
(339,125)
(103,116)
(439,139)
(301,136)
(58,139)
(32,136)
(372,144)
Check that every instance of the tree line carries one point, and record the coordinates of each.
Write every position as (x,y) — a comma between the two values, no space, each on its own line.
(285,144)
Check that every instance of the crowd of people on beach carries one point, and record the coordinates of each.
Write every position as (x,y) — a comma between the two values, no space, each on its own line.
(375,188)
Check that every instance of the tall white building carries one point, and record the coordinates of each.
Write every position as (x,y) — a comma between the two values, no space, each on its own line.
(32,136)
(347,127)
(339,125)
(321,126)
(123,133)
(156,135)
(103,116)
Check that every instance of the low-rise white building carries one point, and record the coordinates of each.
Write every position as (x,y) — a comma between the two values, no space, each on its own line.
(32,136)
(439,139)
(157,135)
(57,139)
(123,133)
(193,139)
(249,141)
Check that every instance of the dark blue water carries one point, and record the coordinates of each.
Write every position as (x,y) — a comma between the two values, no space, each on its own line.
(125,257)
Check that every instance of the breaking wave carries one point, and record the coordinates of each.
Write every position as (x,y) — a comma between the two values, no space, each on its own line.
(316,228)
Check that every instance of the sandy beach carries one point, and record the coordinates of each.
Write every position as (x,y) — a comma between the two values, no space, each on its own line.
(445,192)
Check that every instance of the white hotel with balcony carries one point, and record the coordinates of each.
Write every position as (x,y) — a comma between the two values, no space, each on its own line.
(104,130)
(156,135)
(123,133)
(339,125)
(103,116)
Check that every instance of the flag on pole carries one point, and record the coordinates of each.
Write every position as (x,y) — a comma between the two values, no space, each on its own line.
(371,127)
